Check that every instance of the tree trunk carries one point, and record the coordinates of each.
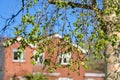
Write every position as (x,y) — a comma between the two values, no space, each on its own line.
(113,60)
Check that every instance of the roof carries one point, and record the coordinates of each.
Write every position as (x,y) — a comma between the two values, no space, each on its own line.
(50,36)
(75,45)
(3,38)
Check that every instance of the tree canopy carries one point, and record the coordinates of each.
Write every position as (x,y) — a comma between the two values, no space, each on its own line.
(88,23)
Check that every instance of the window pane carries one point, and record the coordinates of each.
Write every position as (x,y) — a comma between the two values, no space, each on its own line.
(36,59)
(16,55)
(41,58)
(22,56)
(65,61)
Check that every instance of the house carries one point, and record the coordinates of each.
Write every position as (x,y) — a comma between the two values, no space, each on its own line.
(13,64)
(54,61)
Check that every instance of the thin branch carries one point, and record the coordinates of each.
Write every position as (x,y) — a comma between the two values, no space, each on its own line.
(10,20)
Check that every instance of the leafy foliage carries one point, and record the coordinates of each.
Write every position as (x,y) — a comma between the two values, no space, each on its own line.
(36,77)
(90,28)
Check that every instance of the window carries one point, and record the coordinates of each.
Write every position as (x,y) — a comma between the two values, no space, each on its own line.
(18,56)
(65,79)
(39,57)
(64,58)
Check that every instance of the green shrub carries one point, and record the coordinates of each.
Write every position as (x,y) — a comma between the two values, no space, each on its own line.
(36,77)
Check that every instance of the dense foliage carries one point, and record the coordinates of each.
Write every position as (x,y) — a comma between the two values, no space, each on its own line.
(92,28)
(35,77)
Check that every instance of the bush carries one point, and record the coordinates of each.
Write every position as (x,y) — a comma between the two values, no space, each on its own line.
(36,77)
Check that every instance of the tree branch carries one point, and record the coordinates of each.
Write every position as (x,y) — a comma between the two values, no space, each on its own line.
(79,5)
(10,20)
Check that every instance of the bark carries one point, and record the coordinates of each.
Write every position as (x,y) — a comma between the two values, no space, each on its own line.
(74,4)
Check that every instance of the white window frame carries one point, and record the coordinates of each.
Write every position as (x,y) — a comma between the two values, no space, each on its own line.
(64,56)
(38,59)
(90,79)
(21,58)
(65,78)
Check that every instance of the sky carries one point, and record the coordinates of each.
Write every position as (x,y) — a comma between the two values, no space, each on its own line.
(10,7)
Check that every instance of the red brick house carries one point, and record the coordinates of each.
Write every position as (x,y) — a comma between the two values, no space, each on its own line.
(13,66)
